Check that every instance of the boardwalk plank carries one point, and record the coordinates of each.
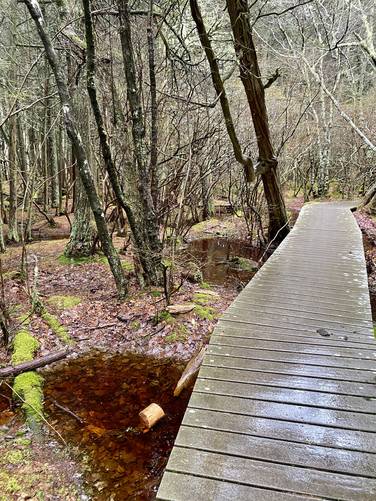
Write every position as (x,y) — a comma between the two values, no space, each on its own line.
(287,412)
(297,358)
(285,431)
(365,391)
(175,486)
(287,395)
(266,474)
(296,369)
(267,449)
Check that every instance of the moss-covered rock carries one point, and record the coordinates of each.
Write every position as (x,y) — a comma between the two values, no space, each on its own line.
(243,264)
(57,328)
(24,347)
(64,302)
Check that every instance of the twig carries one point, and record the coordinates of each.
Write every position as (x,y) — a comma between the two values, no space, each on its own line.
(68,411)
(271,241)
(99,327)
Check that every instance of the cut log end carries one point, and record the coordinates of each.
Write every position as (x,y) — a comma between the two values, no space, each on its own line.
(151,415)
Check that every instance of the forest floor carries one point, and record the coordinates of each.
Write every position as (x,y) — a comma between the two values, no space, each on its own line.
(80,297)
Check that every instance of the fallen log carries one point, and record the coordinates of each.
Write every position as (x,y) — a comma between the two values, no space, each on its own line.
(14,370)
(190,372)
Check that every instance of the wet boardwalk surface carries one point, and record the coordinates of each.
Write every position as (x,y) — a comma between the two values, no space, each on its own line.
(284,407)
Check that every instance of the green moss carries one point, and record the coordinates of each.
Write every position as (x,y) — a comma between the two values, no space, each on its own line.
(243,263)
(201,298)
(180,333)
(10,484)
(64,302)
(135,325)
(205,285)
(25,442)
(57,328)
(127,266)
(205,313)
(164,316)
(14,457)
(75,261)
(374,330)
(28,386)
(24,347)
(156,293)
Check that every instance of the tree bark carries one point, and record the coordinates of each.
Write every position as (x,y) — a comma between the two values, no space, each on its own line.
(250,76)
(80,154)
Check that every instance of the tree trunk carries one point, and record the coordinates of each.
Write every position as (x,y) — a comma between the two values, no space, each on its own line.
(12,223)
(149,223)
(80,154)
(251,78)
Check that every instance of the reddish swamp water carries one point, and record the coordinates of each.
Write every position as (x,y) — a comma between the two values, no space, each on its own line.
(107,393)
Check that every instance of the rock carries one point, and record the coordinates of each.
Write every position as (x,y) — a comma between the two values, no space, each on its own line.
(176,309)
(243,263)
(323,332)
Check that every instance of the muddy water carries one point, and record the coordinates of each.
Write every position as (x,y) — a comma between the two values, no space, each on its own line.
(107,394)
(214,254)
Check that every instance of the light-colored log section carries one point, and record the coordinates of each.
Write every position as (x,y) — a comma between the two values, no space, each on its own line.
(284,407)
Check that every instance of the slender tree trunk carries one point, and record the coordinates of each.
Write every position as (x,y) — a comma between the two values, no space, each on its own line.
(2,241)
(75,138)
(149,223)
(12,223)
(153,107)
(251,78)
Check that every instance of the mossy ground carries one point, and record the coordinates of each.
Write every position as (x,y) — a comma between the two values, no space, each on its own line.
(179,334)
(64,302)
(201,298)
(205,312)
(57,328)
(164,316)
(31,469)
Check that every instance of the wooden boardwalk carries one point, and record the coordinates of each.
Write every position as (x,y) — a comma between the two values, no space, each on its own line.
(284,407)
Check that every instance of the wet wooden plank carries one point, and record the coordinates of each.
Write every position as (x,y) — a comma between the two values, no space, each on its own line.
(311,336)
(291,345)
(285,431)
(290,357)
(177,486)
(293,369)
(287,395)
(273,476)
(336,387)
(267,449)
(287,412)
